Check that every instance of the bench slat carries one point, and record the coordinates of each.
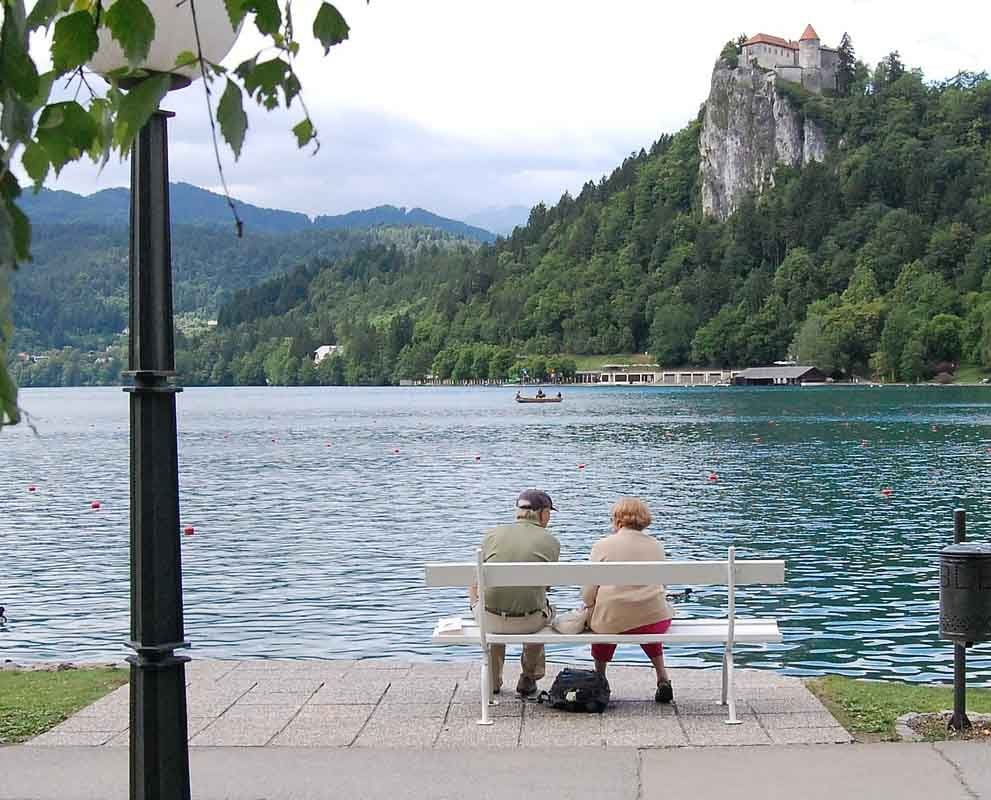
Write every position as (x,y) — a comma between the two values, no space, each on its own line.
(615,573)
(695,631)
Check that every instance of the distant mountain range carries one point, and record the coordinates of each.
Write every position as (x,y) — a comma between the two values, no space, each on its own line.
(502,220)
(191,205)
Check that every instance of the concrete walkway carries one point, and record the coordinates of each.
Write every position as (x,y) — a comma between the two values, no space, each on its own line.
(948,771)
(431,705)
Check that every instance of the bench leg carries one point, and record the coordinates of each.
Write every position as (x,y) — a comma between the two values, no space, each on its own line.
(724,677)
(729,693)
(486,689)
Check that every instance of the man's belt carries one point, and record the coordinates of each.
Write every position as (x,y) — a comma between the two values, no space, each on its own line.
(514,613)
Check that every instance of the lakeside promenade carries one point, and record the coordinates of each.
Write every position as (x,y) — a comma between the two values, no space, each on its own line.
(380,729)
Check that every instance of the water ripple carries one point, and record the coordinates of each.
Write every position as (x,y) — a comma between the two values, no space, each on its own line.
(315,509)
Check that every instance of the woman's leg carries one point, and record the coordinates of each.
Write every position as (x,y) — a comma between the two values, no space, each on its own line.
(602,654)
(658,662)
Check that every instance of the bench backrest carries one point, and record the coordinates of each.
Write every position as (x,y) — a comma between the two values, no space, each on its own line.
(729,573)
(606,573)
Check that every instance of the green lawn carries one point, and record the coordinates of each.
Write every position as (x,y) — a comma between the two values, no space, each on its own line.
(595,362)
(868,709)
(970,373)
(32,702)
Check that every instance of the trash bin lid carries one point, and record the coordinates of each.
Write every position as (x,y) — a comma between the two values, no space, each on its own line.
(968,549)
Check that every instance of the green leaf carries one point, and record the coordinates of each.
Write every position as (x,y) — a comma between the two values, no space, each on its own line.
(17,234)
(65,131)
(136,108)
(45,81)
(74,42)
(329,27)
(305,133)
(17,70)
(236,10)
(263,81)
(186,59)
(132,25)
(43,14)
(36,162)
(230,114)
(268,17)
(100,110)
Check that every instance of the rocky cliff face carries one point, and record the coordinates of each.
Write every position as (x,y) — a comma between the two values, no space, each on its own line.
(747,131)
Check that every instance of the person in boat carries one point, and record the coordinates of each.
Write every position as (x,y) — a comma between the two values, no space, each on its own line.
(558,395)
(540,394)
(517,394)
(630,609)
(518,609)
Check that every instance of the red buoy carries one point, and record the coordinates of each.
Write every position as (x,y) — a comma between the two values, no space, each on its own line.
(713,477)
(189,530)
(886,491)
(95,504)
(478,458)
(396,451)
(581,466)
(757,440)
(32,488)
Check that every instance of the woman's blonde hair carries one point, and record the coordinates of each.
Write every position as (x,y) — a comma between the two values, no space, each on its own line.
(631,512)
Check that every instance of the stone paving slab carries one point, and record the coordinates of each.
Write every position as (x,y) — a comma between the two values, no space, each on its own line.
(393,704)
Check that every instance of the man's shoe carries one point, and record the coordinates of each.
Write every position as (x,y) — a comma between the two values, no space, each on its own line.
(526,686)
(497,690)
(664,693)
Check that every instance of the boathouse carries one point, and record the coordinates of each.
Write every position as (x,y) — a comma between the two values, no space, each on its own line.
(778,376)
(654,375)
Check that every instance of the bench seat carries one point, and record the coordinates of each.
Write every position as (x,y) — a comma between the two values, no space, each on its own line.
(682,631)
(729,631)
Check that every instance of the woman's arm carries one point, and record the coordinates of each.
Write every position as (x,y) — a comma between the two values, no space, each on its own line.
(589,593)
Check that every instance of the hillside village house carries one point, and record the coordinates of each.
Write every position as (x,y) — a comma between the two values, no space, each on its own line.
(327,350)
(806,62)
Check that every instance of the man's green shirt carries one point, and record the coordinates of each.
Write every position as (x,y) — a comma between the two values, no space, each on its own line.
(521,541)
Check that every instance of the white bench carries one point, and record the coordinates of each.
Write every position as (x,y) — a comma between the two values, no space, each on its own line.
(728,632)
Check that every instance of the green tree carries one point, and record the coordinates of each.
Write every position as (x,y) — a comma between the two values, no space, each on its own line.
(846,65)
(942,338)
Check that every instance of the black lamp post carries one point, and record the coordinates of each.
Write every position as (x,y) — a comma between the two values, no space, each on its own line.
(159,753)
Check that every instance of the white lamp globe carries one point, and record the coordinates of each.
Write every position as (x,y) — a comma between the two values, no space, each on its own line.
(174,35)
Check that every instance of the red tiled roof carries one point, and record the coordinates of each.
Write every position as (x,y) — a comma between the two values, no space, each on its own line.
(766,38)
(810,33)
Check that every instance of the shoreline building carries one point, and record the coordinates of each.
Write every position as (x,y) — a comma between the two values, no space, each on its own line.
(806,62)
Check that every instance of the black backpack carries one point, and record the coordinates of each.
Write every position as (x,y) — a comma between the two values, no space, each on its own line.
(578,690)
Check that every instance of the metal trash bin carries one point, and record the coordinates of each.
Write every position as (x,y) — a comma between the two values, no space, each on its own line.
(965,593)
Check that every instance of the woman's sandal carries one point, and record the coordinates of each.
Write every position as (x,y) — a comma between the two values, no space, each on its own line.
(664,693)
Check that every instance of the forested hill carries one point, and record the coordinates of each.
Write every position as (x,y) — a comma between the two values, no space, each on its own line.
(873,262)
(74,292)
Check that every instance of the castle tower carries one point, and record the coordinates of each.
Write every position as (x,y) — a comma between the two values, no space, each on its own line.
(808,49)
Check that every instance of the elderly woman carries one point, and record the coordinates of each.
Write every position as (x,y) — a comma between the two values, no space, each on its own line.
(630,609)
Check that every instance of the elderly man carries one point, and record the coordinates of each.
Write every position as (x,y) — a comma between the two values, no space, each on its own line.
(519,609)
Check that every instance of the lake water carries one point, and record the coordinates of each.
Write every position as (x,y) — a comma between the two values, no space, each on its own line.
(314,510)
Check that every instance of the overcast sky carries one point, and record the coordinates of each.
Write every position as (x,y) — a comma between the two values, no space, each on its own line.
(459,105)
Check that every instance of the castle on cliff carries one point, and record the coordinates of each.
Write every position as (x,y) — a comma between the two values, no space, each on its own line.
(806,62)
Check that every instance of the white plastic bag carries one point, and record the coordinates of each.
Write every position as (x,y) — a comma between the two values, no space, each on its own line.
(571,622)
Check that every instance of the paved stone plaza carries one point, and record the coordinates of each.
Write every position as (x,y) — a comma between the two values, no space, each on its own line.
(390,704)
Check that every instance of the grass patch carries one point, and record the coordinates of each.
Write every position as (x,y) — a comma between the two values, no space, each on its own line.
(970,373)
(595,362)
(31,702)
(868,709)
